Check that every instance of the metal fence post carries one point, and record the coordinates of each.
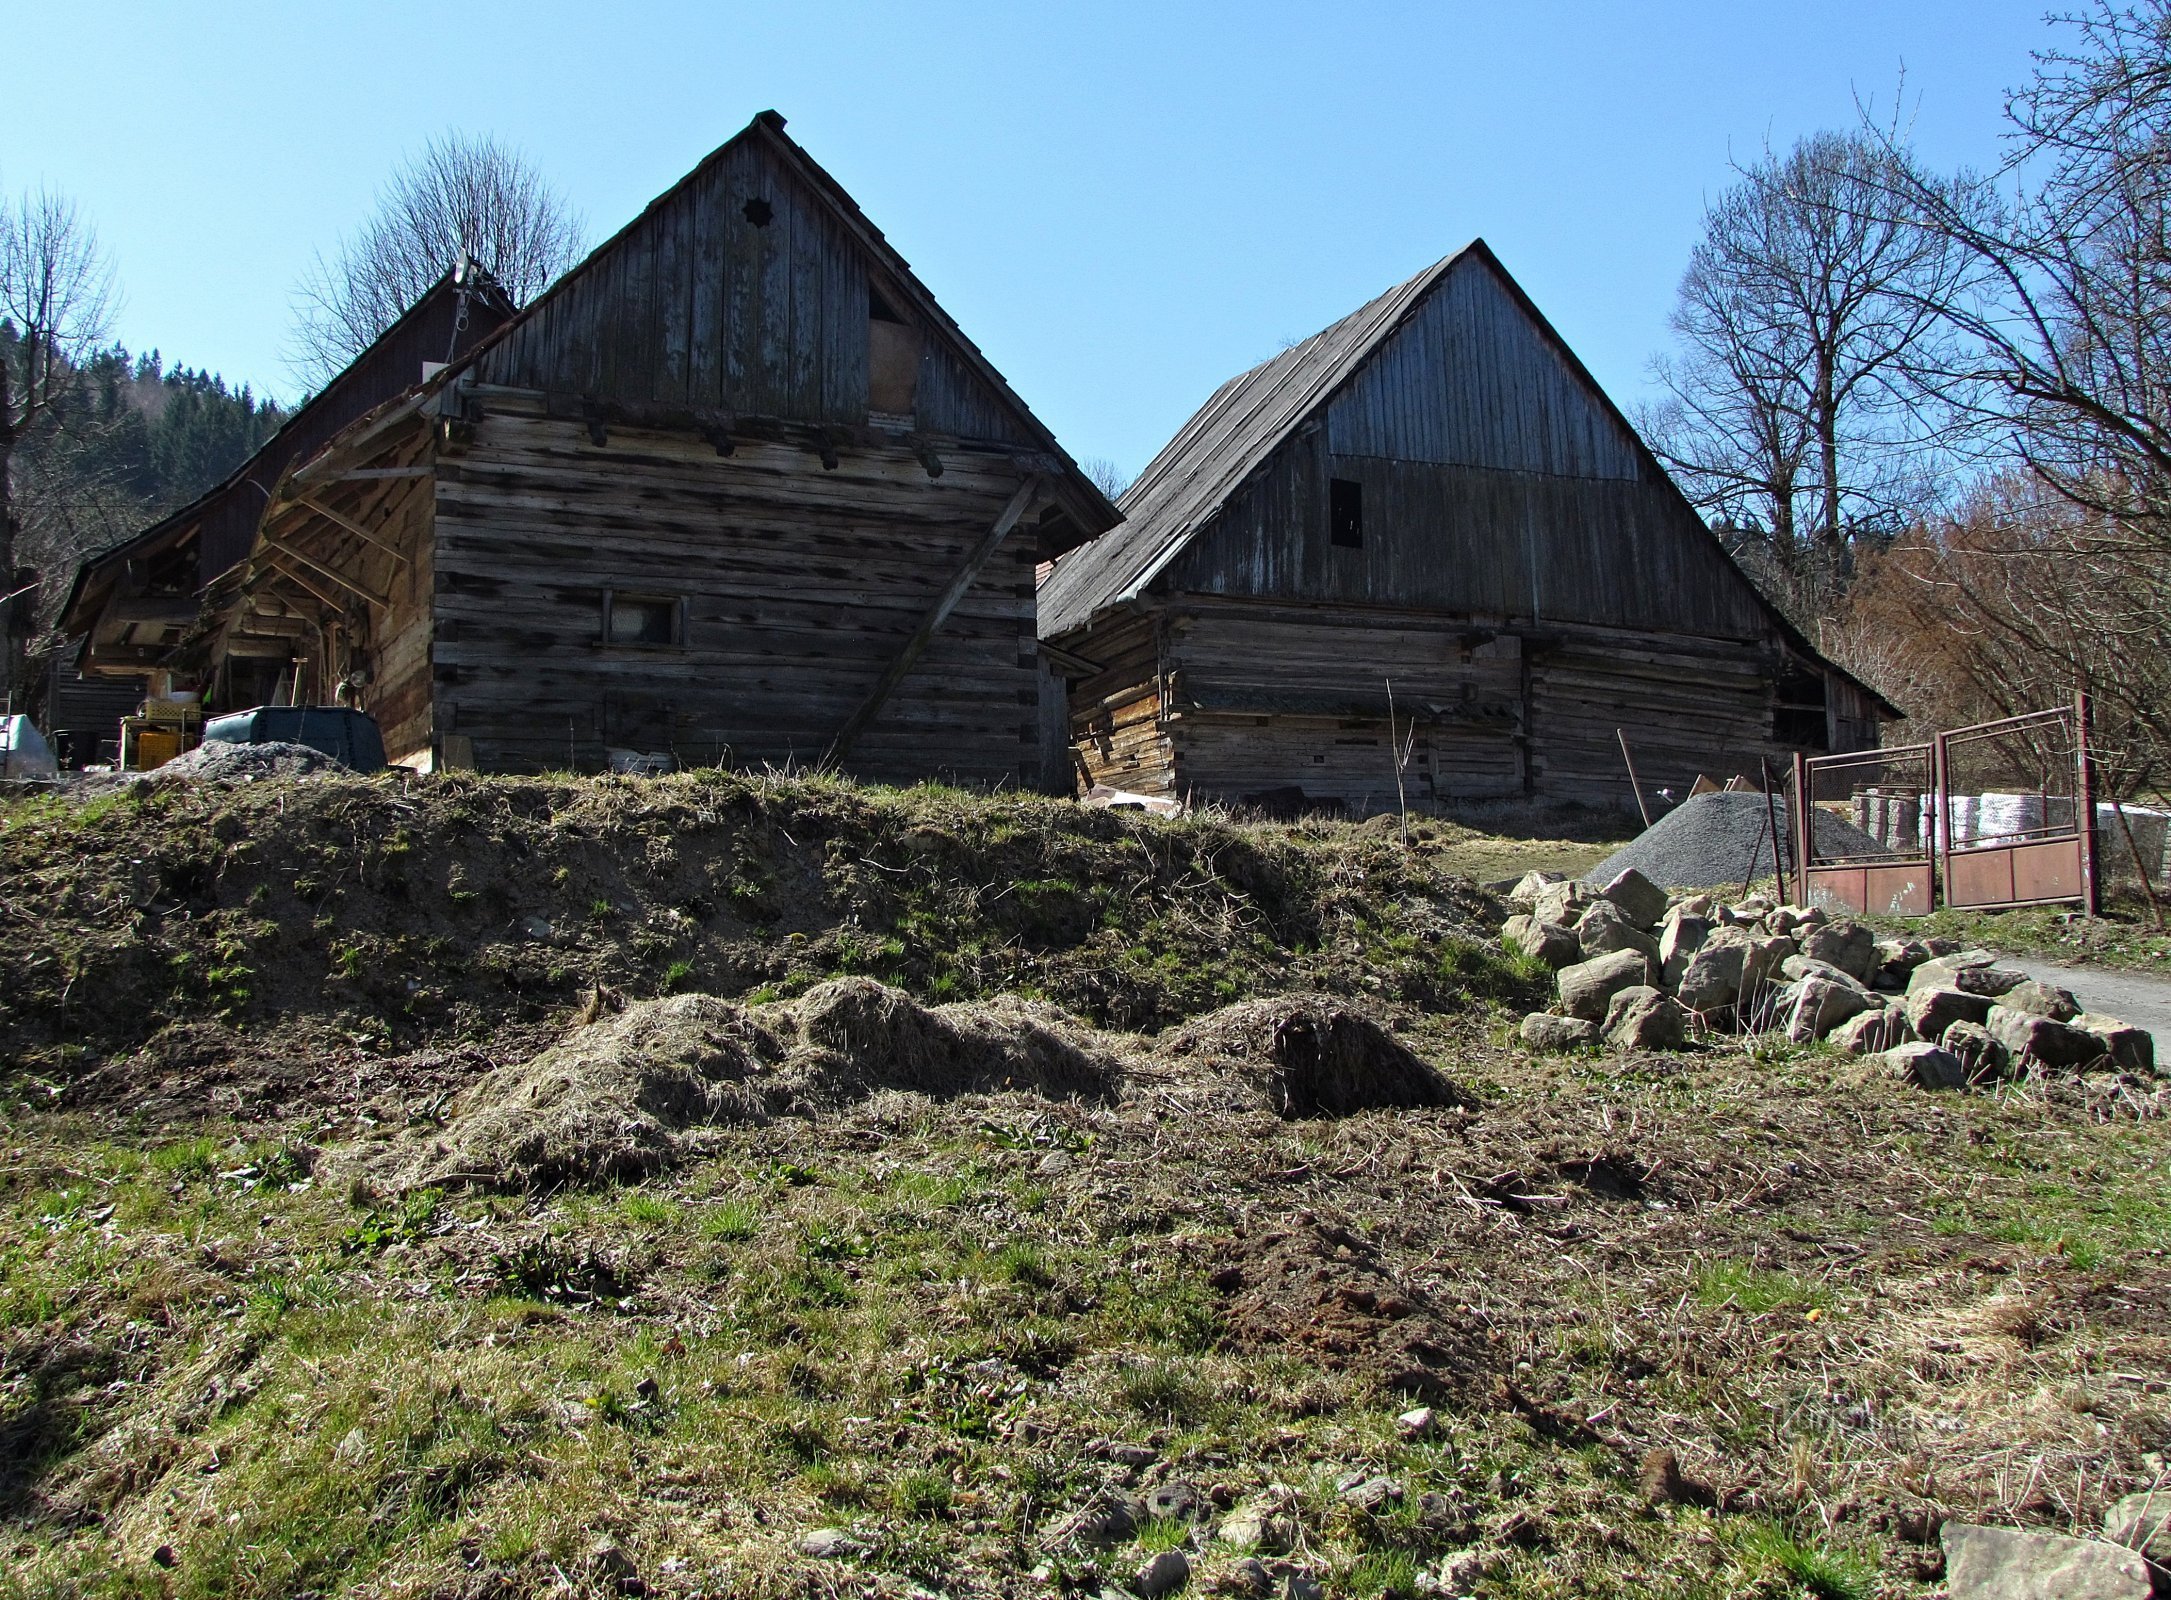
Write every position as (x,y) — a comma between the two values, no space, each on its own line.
(2084,801)
(1941,765)
(1802,833)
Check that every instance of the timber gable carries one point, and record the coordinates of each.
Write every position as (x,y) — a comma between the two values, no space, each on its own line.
(1426,518)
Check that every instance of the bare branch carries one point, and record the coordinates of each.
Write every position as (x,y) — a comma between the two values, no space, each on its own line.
(464,198)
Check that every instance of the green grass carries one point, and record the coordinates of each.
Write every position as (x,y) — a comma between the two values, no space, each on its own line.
(1749,1288)
(1825,1572)
(732,1219)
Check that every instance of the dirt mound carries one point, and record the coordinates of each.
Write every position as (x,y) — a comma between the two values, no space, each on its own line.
(1711,840)
(1310,1056)
(217,761)
(859,1036)
(629,1094)
(1318,1288)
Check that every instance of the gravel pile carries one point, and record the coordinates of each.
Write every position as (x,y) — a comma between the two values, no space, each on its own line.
(216,761)
(1715,839)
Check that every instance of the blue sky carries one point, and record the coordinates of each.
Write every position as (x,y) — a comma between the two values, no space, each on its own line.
(1122,204)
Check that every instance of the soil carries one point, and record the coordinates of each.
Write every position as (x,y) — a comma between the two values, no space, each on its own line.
(938,1168)
(1320,1290)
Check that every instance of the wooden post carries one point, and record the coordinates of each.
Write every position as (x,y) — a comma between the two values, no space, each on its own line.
(1633,782)
(1804,832)
(856,724)
(2084,802)
(1771,825)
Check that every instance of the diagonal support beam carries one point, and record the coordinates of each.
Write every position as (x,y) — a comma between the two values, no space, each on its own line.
(1020,503)
(281,548)
(326,596)
(338,520)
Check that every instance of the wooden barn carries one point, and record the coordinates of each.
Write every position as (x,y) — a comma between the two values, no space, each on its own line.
(1427,519)
(735,490)
(132,604)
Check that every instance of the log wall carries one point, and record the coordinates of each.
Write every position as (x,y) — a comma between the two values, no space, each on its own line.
(796,587)
(1219,701)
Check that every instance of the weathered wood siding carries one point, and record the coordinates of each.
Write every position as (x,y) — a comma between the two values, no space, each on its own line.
(1218,701)
(399,696)
(798,588)
(1263,698)
(1494,481)
(1117,727)
(699,306)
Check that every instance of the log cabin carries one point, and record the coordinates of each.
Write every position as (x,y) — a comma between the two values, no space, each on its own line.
(734,490)
(131,604)
(1422,545)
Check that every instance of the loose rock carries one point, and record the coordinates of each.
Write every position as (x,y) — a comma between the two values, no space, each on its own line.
(1589,986)
(1178,1499)
(1165,1573)
(2142,1522)
(1874,1032)
(1373,1494)
(1984,1563)
(1605,927)
(1979,1052)
(1542,1030)
(1543,941)
(1927,1066)
(2042,999)
(1816,1005)
(2131,1048)
(1643,900)
(1930,1011)
(1643,1018)
(1850,947)
(1531,885)
(1678,941)
(2025,1034)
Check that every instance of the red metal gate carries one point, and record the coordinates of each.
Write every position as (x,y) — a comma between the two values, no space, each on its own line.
(1862,837)
(1997,815)
(2031,839)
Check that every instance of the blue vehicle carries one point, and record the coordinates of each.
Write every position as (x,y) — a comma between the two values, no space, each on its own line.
(349,737)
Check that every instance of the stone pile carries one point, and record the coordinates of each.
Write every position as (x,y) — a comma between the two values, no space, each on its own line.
(1640,969)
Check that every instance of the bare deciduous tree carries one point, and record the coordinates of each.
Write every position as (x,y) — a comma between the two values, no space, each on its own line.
(464,197)
(1791,408)
(56,301)
(2003,609)
(2058,364)
(1105,476)
(2063,359)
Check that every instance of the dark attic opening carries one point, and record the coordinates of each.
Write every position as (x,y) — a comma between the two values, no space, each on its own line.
(758,211)
(1345,513)
(1798,711)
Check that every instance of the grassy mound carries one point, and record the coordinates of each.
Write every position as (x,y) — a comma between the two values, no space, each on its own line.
(1102,1189)
(388,917)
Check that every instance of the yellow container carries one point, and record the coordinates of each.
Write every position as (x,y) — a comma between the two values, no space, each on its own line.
(155,748)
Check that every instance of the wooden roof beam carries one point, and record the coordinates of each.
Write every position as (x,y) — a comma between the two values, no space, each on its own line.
(350,525)
(293,556)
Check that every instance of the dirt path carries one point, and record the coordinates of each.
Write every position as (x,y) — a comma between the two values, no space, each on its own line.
(2140,998)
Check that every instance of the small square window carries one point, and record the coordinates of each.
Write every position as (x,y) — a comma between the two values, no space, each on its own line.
(1345,513)
(640,619)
